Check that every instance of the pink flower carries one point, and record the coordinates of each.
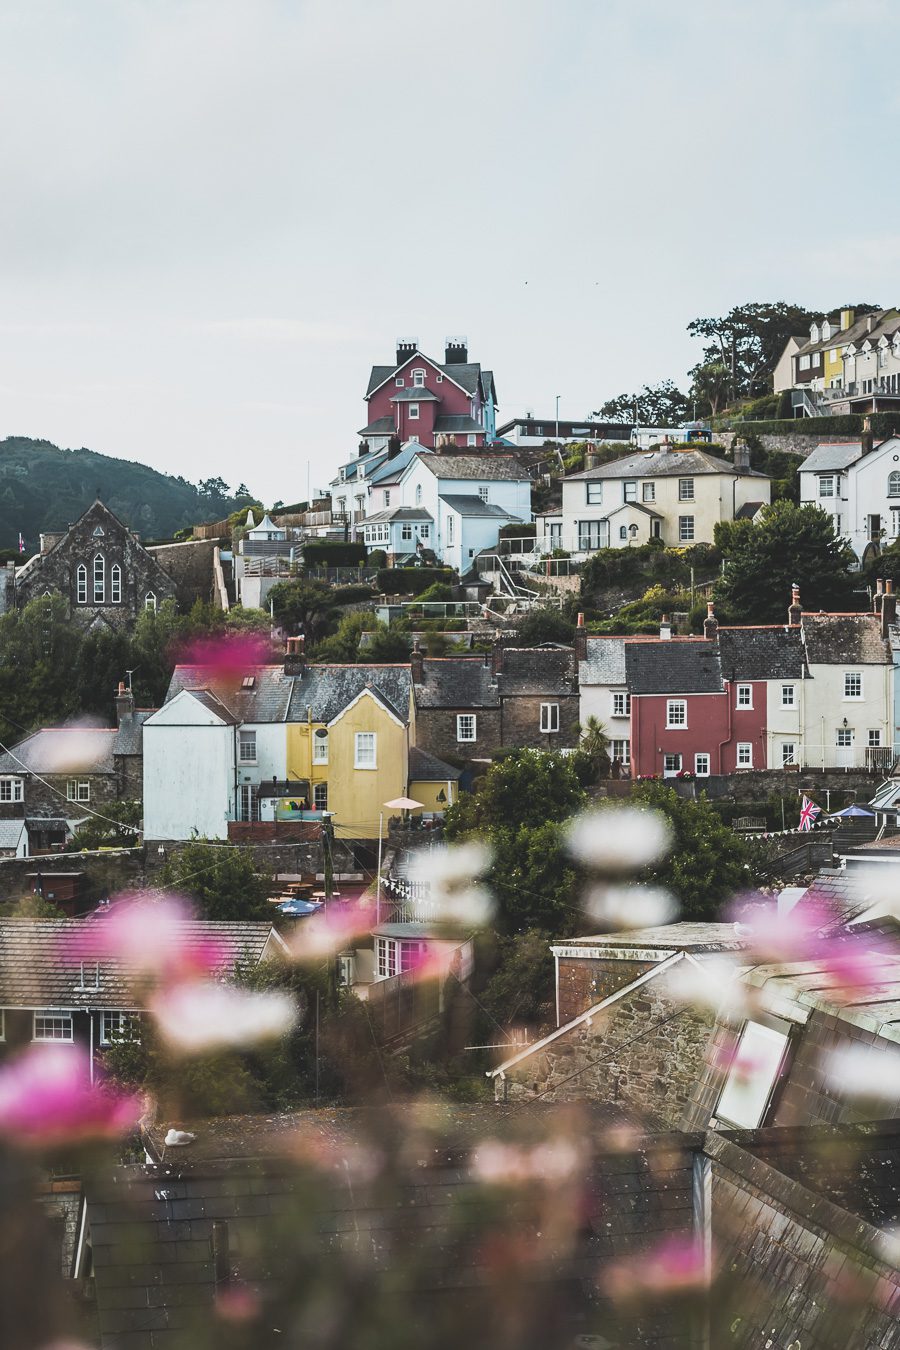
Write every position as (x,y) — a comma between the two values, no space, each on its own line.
(227,656)
(332,930)
(549,1163)
(677,1265)
(150,938)
(47,1100)
(199,1017)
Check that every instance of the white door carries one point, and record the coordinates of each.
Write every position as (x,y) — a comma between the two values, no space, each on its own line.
(844,751)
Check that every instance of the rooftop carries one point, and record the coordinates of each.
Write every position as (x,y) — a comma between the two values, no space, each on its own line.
(673,666)
(837,638)
(761,653)
(663,463)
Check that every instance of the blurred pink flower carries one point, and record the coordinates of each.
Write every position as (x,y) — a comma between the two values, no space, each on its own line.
(336,927)
(151,938)
(229,655)
(199,1017)
(677,1265)
(48,1100)
(499,1164)
(237,1303)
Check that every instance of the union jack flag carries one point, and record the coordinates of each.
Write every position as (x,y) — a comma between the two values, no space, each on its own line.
(808,813)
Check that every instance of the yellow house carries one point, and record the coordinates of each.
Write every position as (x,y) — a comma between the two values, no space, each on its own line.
(432,782)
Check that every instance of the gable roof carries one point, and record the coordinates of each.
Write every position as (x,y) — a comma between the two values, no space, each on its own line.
(673,666)
(500,468)
(465,375)
(835,638)
(11,832)
(427,768)
(664,463)
(604,662)
(456,682)
(377,697)
(538,670)
(327,690)
(392,466)
(465,505)
(762,653)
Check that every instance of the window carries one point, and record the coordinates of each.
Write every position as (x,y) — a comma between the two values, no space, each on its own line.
(621,705)
(99,579)
(483,493)
(320,746)
(119,1026)
(115,584)
(701,765)
(248,682)
(623,532)
(894,484)
(365,750)
(621,750)
(844,737)
(81,584)
(685,528)
(676,712)
(788,753)
(320,797)
(787,695)
(895,522)
(466,727)
(874,736)
(418,494)
(853,684)
(752,1075)
(98,532)
(387,496)
(418,378)
(593,493)
(745,696)
(591,534)
(150,602)
(648,492)
(671,765)
(248,802)
(413,412)
(398,381)
(449,529)
(424,531)
(744,755)
(804,362)
(10,789)
(630,490)
(386,957)
(412,954)
(52,1026)
(826,485)
(78,790)
(549,717)
(406,530)
(685,489)
(247,747)
(472,439)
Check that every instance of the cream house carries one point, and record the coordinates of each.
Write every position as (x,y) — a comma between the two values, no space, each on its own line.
(675,495)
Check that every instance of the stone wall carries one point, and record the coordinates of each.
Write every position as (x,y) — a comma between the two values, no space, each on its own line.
(643,1051)
(521,721)
(61,1202)
(105,872)
(793,443)
(436,733)
(584,981)
(190,565)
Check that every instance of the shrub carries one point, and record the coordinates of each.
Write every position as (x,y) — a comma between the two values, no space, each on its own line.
(333,553)
(411,580)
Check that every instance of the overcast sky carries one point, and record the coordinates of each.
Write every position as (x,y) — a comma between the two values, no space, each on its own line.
(218,214)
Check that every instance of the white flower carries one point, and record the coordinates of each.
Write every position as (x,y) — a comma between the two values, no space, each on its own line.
(631,906)
(871,1072)
(197,1017)
(712,983)
(619,839)
(451,875)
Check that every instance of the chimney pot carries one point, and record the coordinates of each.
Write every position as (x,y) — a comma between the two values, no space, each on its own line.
(497,654)
(710,623)
(888,607)
(580,639)
(417,664)
(665,628)
(124,703)
(294,655)
(795,611)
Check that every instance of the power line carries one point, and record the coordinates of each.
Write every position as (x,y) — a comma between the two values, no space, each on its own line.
(130,829)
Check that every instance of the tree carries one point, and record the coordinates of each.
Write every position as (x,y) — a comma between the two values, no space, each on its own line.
(790,544)
(223,881)
(592,756)
(101,831)
(521,988)
(657,405)
(544,625)
(748,341)
(307,606)
(709,391)
(385,646)
(708,861)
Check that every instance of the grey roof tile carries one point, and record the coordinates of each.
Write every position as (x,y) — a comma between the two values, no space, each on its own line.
(450,422)
(605,662)
(10,833)
(673,666)
(538,670)
(63,750)
(414,394)
(831,457)
(761,653)
(457,682)
(397,513)
(328,689)
(500,468)
(662,464)
(466,505)
(836,638)
(427,768)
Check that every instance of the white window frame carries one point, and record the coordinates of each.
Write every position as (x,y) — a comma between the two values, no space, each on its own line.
(398,381)
(851,677)
(61,1016)
(449,529)
(686,490)
(466,723)
(686,529)
(620,749)
(127,1023)
(246,743)
(248,803)
(363,742)
(629,490)
(893,489)
(387,496)
(844,737)
(414,412)
(424,531)
(115,584)
(150,601)
(826,485)
(320,745)
(676,768)
(472,438)
(593,494)
(621,704)
(484,493)
(744,696)
(676,714)
(78,790)
(788,696)
(81,584)
(320,796)
(788,753)
(648,492)
(549,717)
(744,1104)
(418,494)
(385,957)
(744,755)
(418,379)
(874,737)
(11,790)
(406,531)
(702,769)
(99,576)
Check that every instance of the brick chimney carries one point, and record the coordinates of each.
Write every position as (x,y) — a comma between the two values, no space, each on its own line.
(741,457)
(888,608)
(878,596)
(795,610)
(665,627)
(710,623)
(456,351)
(868,437)
(406,347)
(294,656)
(417,664)
(580,642)
(124,703)
(497,655)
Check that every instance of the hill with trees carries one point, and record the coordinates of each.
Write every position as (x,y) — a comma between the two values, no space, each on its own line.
(43,487)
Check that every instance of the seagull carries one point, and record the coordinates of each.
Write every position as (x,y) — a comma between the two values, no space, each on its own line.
(175,1138)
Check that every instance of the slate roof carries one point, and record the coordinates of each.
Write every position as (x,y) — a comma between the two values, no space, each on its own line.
(397,513)
(662,464)
(390,469)
(456,682)
(466,505)
(328,689)
(427,768)
(748,510)
(63,750)
(818,984)
(538,670)
(468,374)
(10,833)
(129,741)
(416,394)
(837,638)
(686,936)
(41,960)
(838,456)
(670,666)
(762,653)
(500,468)
(632,506)
(605,663)
(449,422)
(382,426)
(267,701)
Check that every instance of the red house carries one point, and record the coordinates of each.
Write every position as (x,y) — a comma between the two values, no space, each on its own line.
(419,399)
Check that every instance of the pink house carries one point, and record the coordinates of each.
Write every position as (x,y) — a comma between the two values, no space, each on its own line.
(419,399)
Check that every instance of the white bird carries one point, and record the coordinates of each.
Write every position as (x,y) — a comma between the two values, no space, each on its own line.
(177,1137)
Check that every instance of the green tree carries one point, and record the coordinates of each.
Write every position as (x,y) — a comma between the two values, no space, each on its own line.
(592,756)
(105,832)
(223,881)
(709,391)
(748,341)
(708,862)
(521,987)
(789,544)
(544,625)
(385,645)
(308,606)
(656,405)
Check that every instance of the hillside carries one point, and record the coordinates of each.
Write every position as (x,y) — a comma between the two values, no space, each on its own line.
(45,488)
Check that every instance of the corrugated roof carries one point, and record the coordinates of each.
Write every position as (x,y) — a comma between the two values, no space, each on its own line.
(761,653)
(836,638)
(670,666)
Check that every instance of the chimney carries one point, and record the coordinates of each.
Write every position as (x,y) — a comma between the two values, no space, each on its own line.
(871,321)
(124,703)
(741,457)
(847,319)
(868,438)
(363,448)
(417,664)
(456,351)
(406,347)
(665,628)
(580,642)
(795,611)
(497,655)
(590,459)
(294,656)
(710,623)
(878,597)
(888,608)
(394,447)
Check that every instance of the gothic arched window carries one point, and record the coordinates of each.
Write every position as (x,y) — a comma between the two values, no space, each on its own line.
(99,579)
(81,584)
(115,584)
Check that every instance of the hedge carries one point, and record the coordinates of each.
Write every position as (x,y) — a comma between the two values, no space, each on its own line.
(411,580)
(333,553)
(851,424)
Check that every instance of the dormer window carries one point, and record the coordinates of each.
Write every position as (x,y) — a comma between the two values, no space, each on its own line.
(814,332)
(753,1074)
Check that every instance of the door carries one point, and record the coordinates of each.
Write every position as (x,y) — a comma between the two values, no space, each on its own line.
(556,535)
(874,528)
(248,802)
(844,751)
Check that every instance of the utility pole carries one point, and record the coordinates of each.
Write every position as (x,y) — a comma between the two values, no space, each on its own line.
(327,849)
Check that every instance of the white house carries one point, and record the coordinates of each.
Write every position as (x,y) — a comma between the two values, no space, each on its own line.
(847,704)
(858,485)
(603,691)
(190,762)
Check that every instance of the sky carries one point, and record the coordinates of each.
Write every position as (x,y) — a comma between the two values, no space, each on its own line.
(216,215)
